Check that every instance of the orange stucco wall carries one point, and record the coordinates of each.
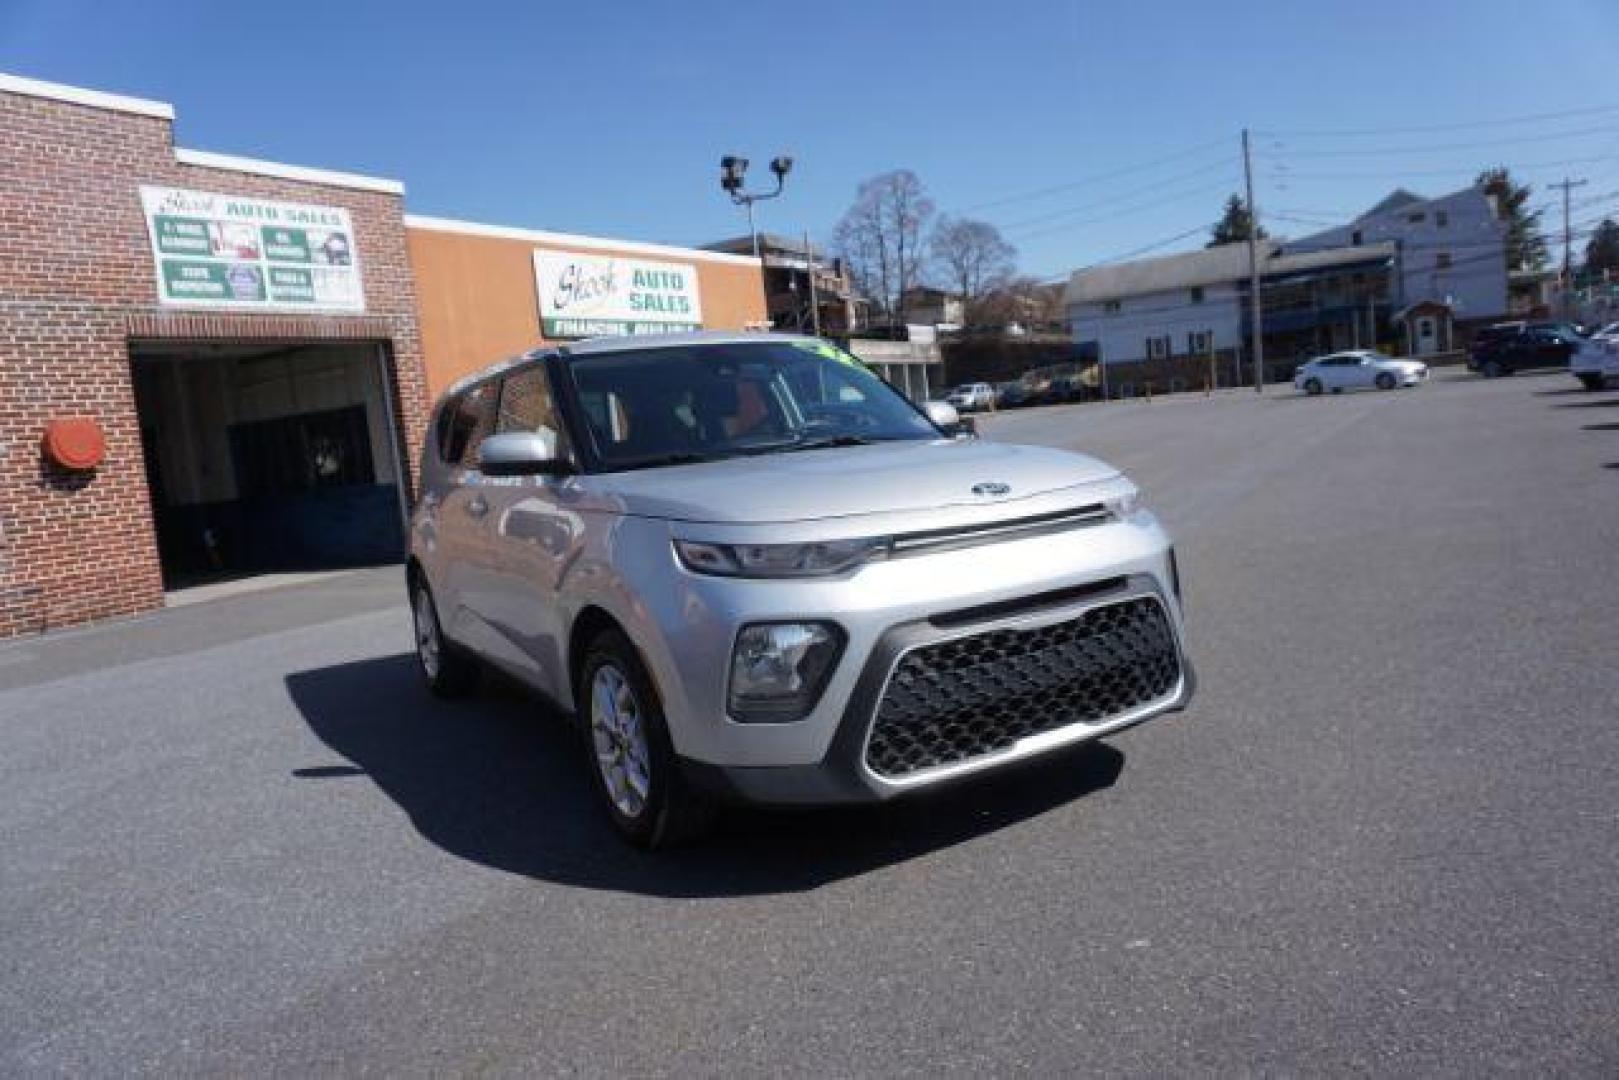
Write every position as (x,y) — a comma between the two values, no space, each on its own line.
(476,300)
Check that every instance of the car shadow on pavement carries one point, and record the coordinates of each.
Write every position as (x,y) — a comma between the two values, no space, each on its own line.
(1600,427)
(1603,403)
(500,780)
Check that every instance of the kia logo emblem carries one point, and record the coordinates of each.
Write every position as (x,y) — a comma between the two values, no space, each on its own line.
(991,488)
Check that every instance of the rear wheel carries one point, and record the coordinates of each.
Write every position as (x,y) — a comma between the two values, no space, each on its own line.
(1591,382)
(1385,381)
(447,670)
(1492,369)
(1312,386)
(632,759)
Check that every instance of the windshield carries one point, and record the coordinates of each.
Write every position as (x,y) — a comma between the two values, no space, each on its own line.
(670,406)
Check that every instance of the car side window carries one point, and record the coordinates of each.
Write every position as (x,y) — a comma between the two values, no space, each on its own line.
(465,428)
(525,403)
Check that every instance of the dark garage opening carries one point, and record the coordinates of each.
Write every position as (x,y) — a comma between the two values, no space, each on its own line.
(267,458)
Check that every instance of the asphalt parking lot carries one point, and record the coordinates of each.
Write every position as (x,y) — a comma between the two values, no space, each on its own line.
(238,837)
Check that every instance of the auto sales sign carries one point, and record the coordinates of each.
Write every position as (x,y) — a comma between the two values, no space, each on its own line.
(590,295)
(228,251)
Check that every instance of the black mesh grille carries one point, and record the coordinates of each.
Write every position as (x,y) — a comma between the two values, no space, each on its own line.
(960,699)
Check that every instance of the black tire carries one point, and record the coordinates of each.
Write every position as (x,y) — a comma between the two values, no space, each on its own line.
(447,671)
(1492,369)
(1312,387)
(1385,381)
(1591,382)
(669,812)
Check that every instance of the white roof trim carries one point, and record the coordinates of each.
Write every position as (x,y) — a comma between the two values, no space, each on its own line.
(78,95)
(209,160)
(573,240)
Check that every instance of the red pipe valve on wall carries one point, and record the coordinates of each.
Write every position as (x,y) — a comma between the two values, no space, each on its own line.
(75,443)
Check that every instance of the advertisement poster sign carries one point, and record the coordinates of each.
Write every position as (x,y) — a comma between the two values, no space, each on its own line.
(591,295)
(229,251)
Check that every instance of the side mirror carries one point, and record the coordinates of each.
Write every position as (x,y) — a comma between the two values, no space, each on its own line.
(948,420)
(521,453)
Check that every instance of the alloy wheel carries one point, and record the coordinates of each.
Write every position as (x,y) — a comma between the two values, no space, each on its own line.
(427,643)
(618,735)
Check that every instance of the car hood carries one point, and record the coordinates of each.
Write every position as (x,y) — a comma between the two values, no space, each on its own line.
(845,481)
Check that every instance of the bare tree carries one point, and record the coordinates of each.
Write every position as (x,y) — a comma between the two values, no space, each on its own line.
(973,259)
(880,237)
(1032,304)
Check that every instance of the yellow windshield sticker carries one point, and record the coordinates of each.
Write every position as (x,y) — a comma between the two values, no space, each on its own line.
(830,352)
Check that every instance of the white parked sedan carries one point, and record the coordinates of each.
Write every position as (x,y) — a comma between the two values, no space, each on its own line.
(1357,370)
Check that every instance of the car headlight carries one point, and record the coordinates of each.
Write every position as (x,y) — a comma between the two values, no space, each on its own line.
(778,670)
(816,559)
(1126,506)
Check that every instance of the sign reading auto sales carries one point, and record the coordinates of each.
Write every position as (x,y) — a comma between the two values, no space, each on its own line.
(591,295)
(226,251)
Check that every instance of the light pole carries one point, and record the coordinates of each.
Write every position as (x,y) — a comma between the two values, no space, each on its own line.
(732,171)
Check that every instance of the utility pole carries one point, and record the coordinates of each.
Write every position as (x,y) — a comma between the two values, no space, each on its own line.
(1253,267)
(815,298)
(1568,246)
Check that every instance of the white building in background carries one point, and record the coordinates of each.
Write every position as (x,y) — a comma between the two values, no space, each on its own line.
(1196,303)
(1402,271)
(1449,250)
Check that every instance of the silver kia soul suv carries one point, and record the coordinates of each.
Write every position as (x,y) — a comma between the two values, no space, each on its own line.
(753,571)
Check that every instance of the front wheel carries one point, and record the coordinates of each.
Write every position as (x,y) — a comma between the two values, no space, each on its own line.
(448,672)
(1385,381)
(1492,369)
(632,759)
(1591,381)
(1312,387)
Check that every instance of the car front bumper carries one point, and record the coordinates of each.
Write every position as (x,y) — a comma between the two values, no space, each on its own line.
(887,609)
(846,773)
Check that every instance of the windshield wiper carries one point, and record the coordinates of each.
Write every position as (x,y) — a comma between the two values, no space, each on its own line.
(831,441)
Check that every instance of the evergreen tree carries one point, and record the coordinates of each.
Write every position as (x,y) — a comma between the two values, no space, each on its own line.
(1232,228)
(1526,247)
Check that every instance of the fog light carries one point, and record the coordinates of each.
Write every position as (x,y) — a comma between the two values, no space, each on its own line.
(778,670)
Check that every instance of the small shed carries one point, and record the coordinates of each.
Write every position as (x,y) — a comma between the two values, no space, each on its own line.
(1430,327)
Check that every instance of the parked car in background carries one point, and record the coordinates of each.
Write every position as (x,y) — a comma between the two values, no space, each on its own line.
(753,571)
(1508,348)
(1358,369)
(1011,395)
(972,397)
(1596,362)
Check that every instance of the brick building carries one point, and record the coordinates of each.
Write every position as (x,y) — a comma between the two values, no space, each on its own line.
(238,343)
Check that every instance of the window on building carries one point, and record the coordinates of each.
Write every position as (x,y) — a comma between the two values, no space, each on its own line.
(1112,307)
(1197,294)
(1441,218)
(1354,238)
(1442,261)
(1199,342)
(1417,218)
(1158,347)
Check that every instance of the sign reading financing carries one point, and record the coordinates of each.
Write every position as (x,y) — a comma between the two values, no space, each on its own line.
(591,295)
(226,251)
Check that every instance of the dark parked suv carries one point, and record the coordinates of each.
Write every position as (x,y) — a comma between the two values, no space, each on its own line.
(1510,347)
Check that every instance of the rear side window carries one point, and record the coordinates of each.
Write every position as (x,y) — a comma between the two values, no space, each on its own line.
(466,422)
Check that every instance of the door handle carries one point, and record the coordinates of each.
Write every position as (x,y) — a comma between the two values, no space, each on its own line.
(477,506)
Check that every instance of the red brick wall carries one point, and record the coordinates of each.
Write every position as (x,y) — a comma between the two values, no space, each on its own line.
(76,284)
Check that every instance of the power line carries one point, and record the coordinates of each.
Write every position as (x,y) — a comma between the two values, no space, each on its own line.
(1436,147)
(1055,214)
(1285,173)
(1127,170)
(1125,211)
(1454,126)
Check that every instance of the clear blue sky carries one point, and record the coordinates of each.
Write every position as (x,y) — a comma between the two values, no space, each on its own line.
(610,117)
